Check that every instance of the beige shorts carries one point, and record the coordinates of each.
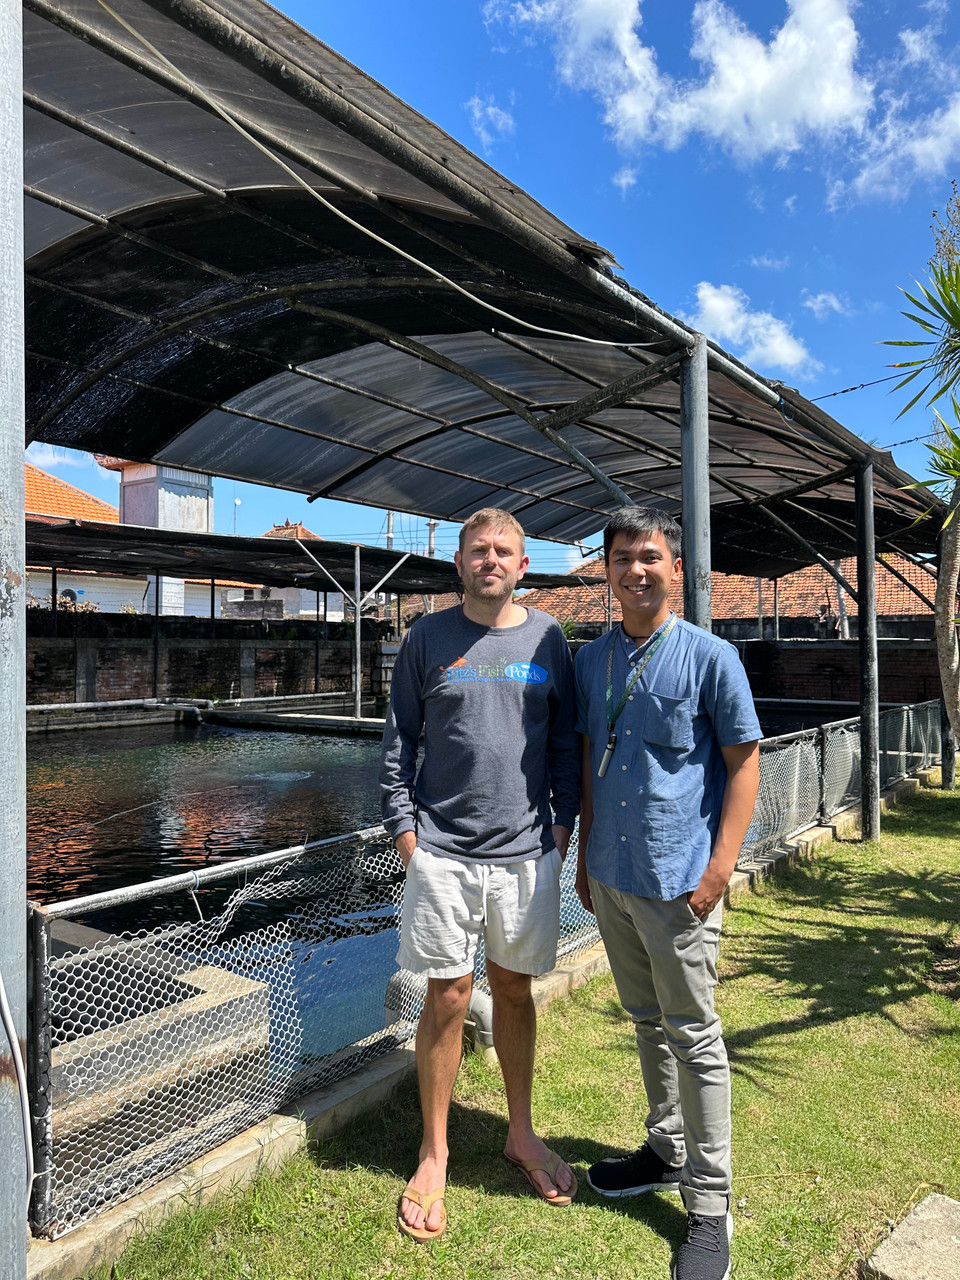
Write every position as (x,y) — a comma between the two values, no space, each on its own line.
(449,905)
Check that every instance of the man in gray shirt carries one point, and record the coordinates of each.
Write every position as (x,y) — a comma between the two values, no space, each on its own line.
(490,686)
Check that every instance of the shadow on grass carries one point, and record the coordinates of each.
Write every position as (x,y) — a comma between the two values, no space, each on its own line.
(861,941)
(388,1141)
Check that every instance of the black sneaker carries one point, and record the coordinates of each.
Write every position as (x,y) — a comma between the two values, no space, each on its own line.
(705,1254)
(632,1175)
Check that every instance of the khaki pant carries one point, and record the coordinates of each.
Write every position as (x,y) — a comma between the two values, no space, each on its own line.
(664,962)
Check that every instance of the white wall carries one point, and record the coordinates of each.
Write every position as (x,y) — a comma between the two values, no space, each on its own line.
(112,594)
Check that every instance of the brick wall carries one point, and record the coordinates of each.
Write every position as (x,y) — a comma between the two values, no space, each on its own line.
(829,670)
(94,664)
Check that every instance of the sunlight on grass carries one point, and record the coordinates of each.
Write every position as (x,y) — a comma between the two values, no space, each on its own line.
(839,994)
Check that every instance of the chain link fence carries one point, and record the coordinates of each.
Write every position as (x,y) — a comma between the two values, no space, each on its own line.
(274,976)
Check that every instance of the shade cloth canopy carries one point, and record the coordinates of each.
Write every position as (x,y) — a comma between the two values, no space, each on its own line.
(189,304)
(98,547)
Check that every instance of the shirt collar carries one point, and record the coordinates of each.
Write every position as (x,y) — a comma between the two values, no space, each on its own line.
(632,647)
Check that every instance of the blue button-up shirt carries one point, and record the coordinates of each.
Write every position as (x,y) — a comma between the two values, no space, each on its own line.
(656,811)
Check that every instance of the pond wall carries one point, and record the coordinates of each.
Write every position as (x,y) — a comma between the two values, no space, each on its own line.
(104,658)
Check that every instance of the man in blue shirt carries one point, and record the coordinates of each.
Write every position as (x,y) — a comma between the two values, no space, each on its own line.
(669,781)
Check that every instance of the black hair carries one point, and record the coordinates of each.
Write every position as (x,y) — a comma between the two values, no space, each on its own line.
(636,521)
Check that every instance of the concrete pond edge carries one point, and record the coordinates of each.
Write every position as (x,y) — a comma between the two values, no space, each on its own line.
(269,1144)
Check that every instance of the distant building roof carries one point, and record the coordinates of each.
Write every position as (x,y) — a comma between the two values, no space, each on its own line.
(734,596)
(47,495)
(288,530)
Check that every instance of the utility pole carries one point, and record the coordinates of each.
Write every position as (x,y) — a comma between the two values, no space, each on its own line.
(431,552)
(389,530)
(13,787)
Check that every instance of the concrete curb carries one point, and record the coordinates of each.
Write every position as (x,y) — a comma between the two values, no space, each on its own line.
(924,1246)
(268,1144)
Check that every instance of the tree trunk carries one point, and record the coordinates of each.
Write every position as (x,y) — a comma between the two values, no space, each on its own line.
(948,577)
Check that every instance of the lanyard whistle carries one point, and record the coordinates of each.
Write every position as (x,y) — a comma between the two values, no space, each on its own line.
(607,754)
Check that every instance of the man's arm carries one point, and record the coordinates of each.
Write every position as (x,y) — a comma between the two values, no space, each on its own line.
(563,750)
(739,797)
(401,743)
(586,822)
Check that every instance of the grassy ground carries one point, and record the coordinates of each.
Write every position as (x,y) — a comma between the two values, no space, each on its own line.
(840,995)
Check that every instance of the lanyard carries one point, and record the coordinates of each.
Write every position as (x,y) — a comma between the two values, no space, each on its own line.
(614,712)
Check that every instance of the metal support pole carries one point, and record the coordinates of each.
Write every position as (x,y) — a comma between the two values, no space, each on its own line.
(213,608)
(39,1051)
(13,837)
(326,631)
(156,637)
(357,650)
(399,616)
(609,607)
(54,599)
(316,650)
(389,530)
(695,485)
(776,608)
(869,668)
(759,608)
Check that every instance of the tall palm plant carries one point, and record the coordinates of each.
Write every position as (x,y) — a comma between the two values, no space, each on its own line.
(937,312)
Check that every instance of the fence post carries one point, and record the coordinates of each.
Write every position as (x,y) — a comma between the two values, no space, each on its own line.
(824,816)
(867,644)
(39,1051)
(13,810)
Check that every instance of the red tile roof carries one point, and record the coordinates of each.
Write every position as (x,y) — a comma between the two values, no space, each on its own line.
(289,530)
(47,495)
(735,596)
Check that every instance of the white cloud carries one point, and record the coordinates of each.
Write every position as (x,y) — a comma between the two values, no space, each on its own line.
(624,179)
(790,205)
(825,304)
(766,95)
(762,340)
(50,456)
(904,149)
(767,262)
(490,122)
(754,97)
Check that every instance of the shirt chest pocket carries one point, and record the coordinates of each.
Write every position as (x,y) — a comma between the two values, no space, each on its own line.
(669,721)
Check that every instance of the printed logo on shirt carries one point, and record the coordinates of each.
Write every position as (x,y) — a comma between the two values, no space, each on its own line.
(525,673)
(494,673)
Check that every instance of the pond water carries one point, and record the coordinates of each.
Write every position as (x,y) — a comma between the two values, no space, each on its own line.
(108,808)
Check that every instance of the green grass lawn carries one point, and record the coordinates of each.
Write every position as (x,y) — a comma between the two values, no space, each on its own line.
(840,994)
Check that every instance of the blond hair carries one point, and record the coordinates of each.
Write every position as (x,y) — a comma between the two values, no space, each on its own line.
(495,518)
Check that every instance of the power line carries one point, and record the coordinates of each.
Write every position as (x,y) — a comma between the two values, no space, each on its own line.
(858,387)
(912,440)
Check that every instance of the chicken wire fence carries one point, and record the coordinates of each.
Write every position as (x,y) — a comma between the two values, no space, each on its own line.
(259,981)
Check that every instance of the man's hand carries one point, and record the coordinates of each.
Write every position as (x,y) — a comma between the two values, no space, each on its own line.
(561,838)
(739,796)
(582,886)
(712,887)
(406,842)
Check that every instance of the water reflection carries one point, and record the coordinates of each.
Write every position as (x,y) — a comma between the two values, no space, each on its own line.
(113,807)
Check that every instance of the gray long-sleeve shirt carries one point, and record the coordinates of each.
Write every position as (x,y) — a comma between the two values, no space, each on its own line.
(497,710)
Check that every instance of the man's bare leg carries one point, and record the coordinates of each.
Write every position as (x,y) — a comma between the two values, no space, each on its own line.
(439,1048)
(514,1038)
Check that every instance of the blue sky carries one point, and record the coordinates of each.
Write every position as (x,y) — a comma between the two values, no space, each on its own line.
(767,171)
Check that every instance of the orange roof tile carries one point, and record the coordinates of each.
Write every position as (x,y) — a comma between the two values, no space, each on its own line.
(47,495)
(735,596)
(289,530)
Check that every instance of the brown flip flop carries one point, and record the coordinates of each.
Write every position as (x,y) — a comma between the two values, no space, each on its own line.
(426,1200)
(549,1166)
